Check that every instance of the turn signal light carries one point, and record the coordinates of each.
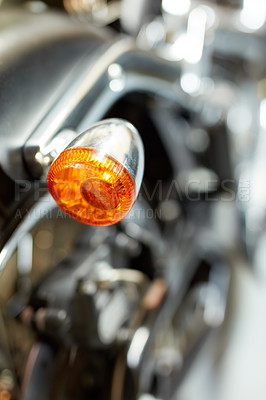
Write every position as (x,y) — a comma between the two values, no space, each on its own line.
(97,178)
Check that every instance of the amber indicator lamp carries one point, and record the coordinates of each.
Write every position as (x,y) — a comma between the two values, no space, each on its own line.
(96,179)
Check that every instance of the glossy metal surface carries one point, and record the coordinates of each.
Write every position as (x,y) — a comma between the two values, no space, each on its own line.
(95,86)
(124,68)
(38,52)
(120,140)
(121,67)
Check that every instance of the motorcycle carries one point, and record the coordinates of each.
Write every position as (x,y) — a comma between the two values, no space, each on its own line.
(132,200)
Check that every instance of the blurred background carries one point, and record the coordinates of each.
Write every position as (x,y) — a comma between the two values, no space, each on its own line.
(195,88)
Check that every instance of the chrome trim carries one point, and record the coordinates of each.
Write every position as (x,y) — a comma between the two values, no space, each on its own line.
(92,88)
(118,139)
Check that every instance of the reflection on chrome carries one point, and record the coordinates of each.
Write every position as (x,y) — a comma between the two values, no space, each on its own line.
(169,302)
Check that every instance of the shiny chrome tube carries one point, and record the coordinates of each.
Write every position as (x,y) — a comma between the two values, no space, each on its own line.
(96,87)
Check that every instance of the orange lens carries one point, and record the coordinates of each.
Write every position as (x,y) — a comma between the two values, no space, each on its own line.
(91,187)
(5,395)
